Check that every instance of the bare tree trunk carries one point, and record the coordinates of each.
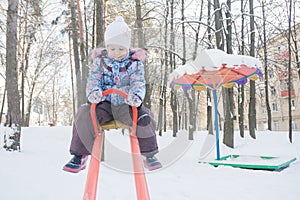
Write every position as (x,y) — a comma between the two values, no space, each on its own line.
(186,120)
(74,28)
(86,34)
(162,90)
(84,66)
(141,44)
(94,26)
(218,25)
(296,53)
(23,56)
(174,107)
(218,32)
(13,133)
(166,66)
(29,104)
(209,124)
(72,76)
(192,114)
(183,33)
(35,78)
(53,117)
(99,23)
(174,103)
(266,69)
(241,103)
(252,111)
(3,103)
(190,97)
(198,29)
(139,23)
(160,110)
(294,37)
(182,112)
(228,139)
(28,39)
(290,73)
(100,42)
(241,90)
(25,117)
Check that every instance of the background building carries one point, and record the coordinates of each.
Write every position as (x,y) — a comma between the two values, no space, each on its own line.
(278,60)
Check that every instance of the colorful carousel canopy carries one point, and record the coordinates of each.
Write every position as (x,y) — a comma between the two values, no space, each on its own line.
(212,69)
(225,70)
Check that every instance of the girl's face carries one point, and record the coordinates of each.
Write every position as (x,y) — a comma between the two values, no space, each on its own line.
(116,52)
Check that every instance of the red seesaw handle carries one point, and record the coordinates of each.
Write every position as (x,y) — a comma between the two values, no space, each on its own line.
(139,175)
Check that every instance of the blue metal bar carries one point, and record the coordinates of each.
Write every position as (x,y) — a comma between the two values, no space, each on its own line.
(216,124)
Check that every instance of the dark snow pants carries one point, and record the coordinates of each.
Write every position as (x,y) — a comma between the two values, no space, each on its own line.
(83,133)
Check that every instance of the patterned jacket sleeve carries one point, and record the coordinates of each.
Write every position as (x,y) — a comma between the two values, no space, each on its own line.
(137,80)
(94,78)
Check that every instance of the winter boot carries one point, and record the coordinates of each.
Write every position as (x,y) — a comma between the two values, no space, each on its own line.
(151,163)
(76,164)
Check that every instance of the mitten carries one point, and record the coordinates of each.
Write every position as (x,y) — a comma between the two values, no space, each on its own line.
(133,100)
(95,97)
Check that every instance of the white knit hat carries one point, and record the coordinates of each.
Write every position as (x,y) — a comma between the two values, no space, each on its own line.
(118,33)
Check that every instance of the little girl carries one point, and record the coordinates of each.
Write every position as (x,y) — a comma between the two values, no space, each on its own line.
(115,67)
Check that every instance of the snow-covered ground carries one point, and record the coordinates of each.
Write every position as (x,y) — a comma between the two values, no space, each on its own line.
(36,172)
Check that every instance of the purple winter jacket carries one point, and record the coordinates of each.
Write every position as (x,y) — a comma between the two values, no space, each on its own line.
(126,75)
